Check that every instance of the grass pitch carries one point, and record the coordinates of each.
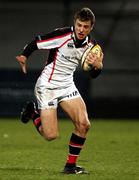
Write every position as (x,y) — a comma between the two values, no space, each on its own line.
(111,151)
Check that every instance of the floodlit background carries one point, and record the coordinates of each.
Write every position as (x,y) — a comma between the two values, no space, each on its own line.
(114,94)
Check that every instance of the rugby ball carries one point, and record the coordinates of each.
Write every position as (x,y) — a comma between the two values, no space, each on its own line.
(96,49)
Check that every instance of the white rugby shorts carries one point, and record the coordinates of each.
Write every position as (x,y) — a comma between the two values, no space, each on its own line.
(50,97)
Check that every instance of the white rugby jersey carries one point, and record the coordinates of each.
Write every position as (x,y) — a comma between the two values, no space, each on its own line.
(64,56)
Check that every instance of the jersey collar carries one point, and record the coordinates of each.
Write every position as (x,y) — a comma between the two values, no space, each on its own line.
(79,43)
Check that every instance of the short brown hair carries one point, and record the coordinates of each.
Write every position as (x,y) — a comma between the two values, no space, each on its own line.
(85,14)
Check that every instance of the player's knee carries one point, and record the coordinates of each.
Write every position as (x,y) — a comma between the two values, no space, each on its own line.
(84,125)
(87,125)
(50,136)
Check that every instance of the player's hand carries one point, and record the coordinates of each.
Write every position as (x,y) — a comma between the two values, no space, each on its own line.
(22,61)
(95,61)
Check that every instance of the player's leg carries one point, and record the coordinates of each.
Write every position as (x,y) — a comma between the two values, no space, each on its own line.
(49,123)
(45,121)
(30,111)
(76,109)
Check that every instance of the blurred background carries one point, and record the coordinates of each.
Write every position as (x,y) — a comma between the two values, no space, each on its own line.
(114,94)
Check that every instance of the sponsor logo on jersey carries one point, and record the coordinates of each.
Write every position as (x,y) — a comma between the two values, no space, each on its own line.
(51,103)
(70,45)
(74,93)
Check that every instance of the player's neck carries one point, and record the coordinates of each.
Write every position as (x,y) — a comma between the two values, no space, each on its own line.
(79,42)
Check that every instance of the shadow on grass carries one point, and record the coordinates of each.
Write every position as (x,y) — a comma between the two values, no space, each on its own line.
(35,170)
(24,169)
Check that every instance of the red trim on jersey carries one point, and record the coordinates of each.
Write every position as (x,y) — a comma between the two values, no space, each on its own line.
(57,37)
(53,68)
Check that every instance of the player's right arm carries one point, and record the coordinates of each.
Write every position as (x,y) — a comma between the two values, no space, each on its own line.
(50,40)
(28,49)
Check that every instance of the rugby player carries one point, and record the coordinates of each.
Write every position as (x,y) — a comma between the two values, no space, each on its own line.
(55,85)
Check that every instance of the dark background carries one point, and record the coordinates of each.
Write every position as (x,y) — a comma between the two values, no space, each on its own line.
(114,94)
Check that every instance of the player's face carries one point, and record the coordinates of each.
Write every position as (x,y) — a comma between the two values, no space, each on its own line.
(82,28)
